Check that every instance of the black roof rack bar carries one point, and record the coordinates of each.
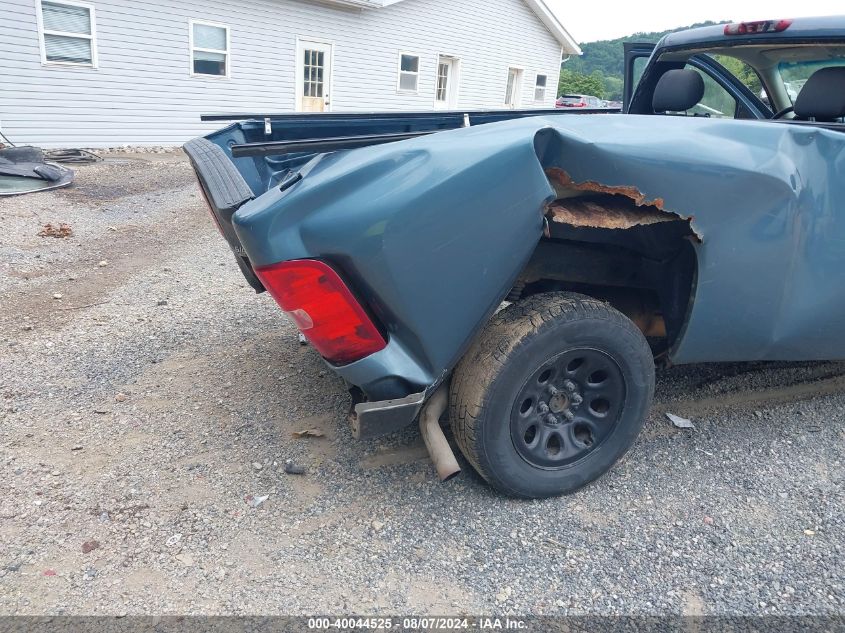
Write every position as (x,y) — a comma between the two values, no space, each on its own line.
(279,148)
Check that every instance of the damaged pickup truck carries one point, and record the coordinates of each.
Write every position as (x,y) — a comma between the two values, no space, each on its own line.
(524,270)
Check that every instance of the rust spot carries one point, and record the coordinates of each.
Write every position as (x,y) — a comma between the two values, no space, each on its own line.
(565,186)
(593,205)
(606,213)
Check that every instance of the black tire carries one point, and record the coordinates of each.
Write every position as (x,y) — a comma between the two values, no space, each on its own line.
(519,375)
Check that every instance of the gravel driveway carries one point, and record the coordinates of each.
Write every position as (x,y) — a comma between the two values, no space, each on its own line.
(149,401)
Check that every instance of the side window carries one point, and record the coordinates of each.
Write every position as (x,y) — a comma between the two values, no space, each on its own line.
(209,49)
(67,33)
(717,102)
(409,73)
(639,65)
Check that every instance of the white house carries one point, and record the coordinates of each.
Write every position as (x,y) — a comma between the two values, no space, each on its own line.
(101,73)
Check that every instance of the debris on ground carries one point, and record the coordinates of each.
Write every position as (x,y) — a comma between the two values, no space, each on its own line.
(679,422)
(60,231)
(254,501)
(292,468)
(90,546)
(23,170)
(173,540)
(309,433)
(76,156)
(186,559)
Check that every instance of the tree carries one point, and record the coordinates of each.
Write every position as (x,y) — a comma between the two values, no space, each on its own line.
(741,71)
(613,87)
(572,82)
(606,58)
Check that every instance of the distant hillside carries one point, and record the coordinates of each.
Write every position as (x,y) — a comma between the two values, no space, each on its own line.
(603,64)
(606,55)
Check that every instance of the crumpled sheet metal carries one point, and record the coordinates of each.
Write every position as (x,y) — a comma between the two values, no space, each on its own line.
(766,200)
(616,210)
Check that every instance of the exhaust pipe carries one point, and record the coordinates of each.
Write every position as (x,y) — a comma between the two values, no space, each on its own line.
(438,448)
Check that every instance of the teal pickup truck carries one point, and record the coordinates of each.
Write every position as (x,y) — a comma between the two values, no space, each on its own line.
(524,271)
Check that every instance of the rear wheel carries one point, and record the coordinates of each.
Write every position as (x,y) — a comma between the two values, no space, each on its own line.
(553,392)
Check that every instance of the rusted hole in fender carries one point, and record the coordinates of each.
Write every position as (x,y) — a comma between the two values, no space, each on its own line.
(593,205)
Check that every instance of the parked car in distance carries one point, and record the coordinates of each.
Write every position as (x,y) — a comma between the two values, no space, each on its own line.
(579,101)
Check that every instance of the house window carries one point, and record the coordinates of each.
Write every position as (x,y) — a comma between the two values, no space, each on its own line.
(209,49)
(67,33)
(315,63)
(443,69)
(409,72)
(540,88)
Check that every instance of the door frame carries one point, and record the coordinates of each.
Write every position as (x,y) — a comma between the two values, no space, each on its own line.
(633,51)
(517,88)
(454,86)
(299,71)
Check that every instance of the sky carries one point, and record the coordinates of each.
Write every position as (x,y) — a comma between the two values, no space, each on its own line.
(603,20)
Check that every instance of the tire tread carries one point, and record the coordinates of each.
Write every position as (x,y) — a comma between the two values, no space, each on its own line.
(472,381)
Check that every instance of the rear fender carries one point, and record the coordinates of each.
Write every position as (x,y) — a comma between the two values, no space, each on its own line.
(430,233)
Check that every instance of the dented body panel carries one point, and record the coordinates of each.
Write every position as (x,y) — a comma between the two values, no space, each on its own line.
(432,233)
(765,199)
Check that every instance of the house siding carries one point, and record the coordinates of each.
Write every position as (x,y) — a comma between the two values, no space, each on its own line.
(142,93)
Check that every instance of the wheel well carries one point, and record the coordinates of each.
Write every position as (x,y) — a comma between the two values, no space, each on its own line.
(622,250)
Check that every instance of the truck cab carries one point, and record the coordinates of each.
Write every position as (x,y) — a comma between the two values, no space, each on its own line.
(750,70)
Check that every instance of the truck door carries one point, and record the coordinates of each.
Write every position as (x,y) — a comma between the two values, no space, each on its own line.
(636,59)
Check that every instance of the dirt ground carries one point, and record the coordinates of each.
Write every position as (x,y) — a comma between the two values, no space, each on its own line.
(149,401)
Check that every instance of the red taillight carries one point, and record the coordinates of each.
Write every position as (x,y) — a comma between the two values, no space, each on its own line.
(754,28)
(323,308)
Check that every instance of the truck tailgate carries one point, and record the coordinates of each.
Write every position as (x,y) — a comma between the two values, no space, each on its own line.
(225,191)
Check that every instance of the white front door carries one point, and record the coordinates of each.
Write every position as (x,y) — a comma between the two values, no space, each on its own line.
(514,88)
(314,76)
(446,87)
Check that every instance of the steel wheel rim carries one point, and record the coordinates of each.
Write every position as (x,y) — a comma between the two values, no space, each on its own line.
(567,408)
